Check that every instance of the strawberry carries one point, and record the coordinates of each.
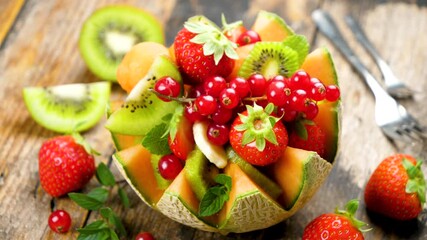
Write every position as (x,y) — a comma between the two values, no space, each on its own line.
(335,226)
(309,136)
(180,139)
(202,50)
(396,188)
(257,136)
(64,165)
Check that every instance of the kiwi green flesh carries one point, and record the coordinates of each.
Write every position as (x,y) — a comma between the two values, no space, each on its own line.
(199,172)
(270,59)
(265,183)
(109,34)
(67,108)
(142,109)
(161,182)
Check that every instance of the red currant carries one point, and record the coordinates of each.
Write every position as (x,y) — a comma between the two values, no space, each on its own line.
(287,114)
(257,83)
(214,85)
(248,37)
(170,166)
(317,92)
(241,86)
(332,93)
(279,78)
(196,91)
(300,80)
(59,221)
(222,115)
(144,236)
(167,86)
(192,114)
(277,92)
(206,105)
(218,133)
(311,110)
(229,98)
(298,100)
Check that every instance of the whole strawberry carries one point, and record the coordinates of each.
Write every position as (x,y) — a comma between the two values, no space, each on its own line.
(396,188)
(257,136)
(202,50)
(64,165)
(309,136)
(336,226)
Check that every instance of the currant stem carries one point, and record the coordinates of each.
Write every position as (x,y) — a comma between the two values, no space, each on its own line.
(178,99)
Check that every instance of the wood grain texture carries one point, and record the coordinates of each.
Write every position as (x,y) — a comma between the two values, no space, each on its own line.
(10,10)
(42,50)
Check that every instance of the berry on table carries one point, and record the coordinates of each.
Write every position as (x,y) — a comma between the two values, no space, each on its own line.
(59,221)
(144,236)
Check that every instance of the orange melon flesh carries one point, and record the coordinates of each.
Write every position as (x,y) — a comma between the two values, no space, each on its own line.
(243,53)
(122,141)
(137,62)
(135,164)
(319,64)
(182,188)
(271,27)
(288,172)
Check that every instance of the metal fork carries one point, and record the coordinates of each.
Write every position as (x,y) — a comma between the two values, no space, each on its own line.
(393,119)
(393,85)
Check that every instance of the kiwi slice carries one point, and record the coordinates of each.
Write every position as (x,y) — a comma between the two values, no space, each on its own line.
(200,173)
(110,32)
(142,109)
(300,44)
(270,59)
(67,108)
(269,186)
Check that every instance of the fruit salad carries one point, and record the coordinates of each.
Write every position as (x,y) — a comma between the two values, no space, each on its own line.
(229,129)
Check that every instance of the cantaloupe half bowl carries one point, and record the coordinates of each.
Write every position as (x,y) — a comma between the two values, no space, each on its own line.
(257,199)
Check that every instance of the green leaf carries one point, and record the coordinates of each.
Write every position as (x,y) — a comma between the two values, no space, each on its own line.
(94,227)
(113,235)
(174,121)
(155,140)
(124,197)
(104,175)
(271,137)
(416,183)
(85,201)
(214,199)
(301,131)
(108,214)
(100,194)
(248,137)
(101,235)
(260,143)
(269,108)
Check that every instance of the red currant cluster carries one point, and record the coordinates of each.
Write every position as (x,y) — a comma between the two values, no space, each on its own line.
(220,101)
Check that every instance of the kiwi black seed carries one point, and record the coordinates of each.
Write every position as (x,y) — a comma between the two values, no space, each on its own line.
(270,59)
(199,172)
(67,108)
(109,33)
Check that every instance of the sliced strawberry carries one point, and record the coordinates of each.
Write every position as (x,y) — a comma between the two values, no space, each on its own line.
(180,139)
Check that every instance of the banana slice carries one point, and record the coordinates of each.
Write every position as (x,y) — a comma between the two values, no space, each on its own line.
(214,153)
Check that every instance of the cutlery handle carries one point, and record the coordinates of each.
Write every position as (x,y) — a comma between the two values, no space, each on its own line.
(364,41)
(328,27)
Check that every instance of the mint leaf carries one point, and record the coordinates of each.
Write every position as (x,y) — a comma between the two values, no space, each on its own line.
(100,194)
(85,201)
(300,44)
(214,199)
(300,130)
(111,217)
(104,175)
(101,235)
(94,227)
(156,141)
(174,121)
(124,197)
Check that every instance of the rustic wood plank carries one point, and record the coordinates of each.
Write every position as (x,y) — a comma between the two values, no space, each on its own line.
(44,52)
(10,10)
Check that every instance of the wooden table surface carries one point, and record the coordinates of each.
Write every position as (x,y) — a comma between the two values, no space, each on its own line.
(40,49)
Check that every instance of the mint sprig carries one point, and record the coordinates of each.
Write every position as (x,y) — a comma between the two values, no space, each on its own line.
(110,226)
(156,141)
(216,196)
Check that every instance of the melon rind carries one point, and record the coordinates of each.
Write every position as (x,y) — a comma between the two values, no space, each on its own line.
(271,27)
